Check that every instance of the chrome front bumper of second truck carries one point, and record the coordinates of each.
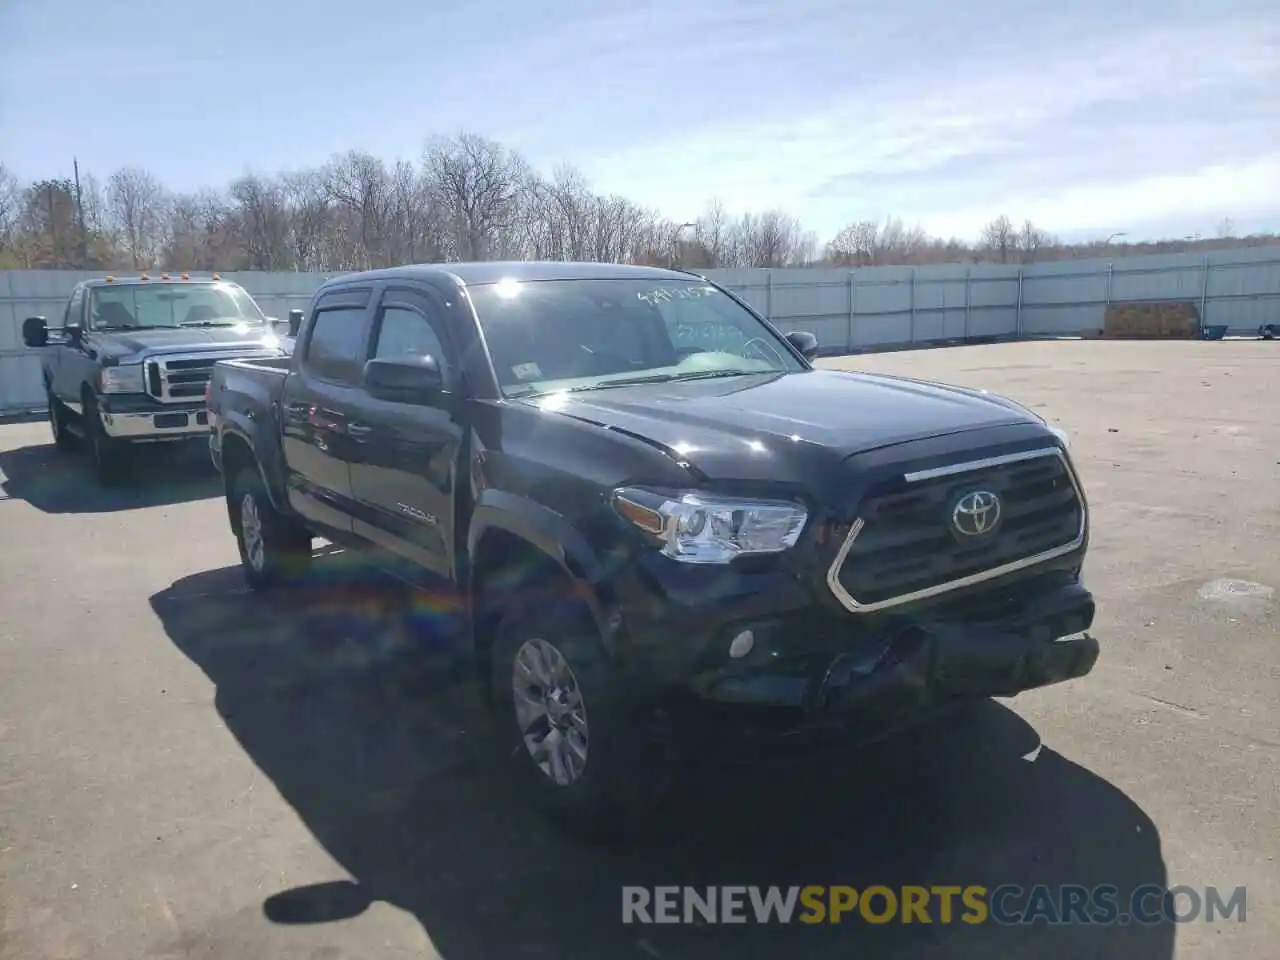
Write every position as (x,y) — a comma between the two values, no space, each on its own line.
(142,420)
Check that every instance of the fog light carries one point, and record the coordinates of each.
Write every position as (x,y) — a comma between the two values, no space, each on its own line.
(741,645)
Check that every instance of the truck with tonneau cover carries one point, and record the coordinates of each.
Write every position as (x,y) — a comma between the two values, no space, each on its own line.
(667,528)
(128,366)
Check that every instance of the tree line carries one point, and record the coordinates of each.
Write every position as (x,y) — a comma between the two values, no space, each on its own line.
(467,198)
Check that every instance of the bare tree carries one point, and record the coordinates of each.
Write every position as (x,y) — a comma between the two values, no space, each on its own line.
(1000,237)
(1032,241)
(468,198)
(311,218)
(477,183)
(358,182)
(136,204)
(10,206)
(262,222)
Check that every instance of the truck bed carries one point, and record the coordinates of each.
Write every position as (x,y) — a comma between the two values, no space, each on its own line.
(279,365)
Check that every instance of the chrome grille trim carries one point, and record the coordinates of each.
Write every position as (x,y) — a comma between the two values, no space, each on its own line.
(850,603)
(182,377)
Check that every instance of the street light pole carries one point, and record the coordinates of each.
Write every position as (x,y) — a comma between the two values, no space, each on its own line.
(678,258)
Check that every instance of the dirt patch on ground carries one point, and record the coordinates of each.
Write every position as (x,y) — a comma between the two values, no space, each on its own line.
(1152,321)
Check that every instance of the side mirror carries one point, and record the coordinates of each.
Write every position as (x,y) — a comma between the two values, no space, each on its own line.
(806,343)
(35,332)
(404,379)
(72,333)
(295,322)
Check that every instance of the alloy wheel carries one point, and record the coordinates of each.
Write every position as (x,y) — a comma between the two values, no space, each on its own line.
(550,711)
(251,532)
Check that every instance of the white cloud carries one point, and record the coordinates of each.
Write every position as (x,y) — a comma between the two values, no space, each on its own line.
(825,165)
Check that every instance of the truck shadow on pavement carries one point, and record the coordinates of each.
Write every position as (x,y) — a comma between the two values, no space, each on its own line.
(385,764)
(61,482)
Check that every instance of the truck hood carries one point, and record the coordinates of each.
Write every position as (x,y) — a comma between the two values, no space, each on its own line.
(139,343)
(712,423)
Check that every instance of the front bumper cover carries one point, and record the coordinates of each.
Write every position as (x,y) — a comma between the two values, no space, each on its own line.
(141,419)
(911,669)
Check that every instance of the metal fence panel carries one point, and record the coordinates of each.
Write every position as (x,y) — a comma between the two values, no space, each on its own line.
(845,309)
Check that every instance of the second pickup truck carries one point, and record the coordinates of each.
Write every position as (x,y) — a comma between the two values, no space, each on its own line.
(663,522)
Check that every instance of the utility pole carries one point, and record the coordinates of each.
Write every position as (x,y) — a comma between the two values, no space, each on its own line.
(53,226)
(84,237)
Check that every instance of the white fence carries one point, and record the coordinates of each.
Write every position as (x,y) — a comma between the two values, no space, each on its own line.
(848,310)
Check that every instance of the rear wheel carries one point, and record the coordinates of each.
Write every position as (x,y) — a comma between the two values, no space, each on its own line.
(1269,331)
(274,551)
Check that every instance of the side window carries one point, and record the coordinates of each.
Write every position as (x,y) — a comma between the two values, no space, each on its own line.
(403,332)
(336,344)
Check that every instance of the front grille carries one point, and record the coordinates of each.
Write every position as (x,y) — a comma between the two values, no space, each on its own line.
(182,379)
(905,545)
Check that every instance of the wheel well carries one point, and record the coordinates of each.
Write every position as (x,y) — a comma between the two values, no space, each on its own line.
(236,455)
(505,570)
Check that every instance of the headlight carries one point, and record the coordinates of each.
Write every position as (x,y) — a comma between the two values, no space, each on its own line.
(706,528)
(126,378)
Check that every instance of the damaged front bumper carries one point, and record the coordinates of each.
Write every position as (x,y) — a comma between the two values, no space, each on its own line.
(904,672)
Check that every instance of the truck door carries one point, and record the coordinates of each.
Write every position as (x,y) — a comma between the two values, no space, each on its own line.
(404,456)
(313,409)
(68,362)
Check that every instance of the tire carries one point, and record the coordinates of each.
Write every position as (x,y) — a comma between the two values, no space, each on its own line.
(63,439)
(599,785)
(274,551)
(1267,331)
(108,456)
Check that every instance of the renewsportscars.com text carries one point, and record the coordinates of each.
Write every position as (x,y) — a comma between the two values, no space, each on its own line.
(1008,904)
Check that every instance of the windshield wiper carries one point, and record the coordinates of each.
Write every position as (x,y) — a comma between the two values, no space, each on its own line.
(712,374)
(138,326)
(211,323)
(638,381)
(668,378)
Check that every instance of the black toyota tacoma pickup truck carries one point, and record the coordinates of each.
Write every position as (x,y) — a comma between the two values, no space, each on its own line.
(663,523)
(128,366)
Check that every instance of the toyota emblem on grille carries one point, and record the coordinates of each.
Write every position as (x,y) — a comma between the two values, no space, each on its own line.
(976,513)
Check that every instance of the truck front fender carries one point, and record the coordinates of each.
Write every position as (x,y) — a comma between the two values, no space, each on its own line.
(555,538)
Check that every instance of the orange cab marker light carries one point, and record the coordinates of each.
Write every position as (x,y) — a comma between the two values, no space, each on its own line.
(216,277)
(111,279)
(144,277)
(186,277)
(164,276)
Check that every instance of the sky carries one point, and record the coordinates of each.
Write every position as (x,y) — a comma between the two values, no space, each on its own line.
(1156,118)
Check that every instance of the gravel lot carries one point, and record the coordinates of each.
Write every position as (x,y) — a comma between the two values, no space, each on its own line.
(188,771)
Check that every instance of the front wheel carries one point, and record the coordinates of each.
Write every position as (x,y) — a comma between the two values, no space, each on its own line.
(1268,331)
(108,455)
(565,727)
(273,550)
(63,438)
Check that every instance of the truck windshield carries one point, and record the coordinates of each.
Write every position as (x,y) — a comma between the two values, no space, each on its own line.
(154,304)
(547,336)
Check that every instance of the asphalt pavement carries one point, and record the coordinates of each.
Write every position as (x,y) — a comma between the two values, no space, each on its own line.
(187,770)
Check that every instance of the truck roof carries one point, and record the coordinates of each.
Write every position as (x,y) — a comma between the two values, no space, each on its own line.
(491,271)
(115,281)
